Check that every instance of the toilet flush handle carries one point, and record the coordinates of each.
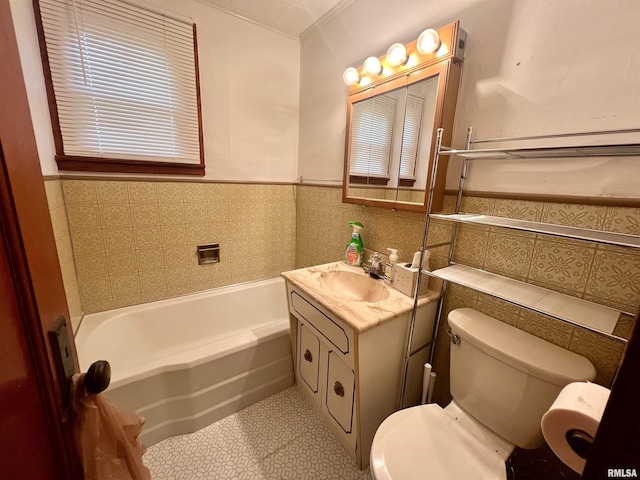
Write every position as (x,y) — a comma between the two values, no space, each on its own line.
(455,338)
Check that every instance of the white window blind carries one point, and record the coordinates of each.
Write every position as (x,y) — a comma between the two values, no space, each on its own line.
(372,128)
(124,80)
(411,136)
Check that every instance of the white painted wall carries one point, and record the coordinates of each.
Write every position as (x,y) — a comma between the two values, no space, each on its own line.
(249,89)
(532,67)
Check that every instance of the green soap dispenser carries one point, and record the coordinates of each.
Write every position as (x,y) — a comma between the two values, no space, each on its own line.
(355,248)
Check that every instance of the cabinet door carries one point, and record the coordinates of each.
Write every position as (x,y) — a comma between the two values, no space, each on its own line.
(339,400)
(309,357)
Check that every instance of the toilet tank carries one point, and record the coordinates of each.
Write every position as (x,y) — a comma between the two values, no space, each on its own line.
(506,378)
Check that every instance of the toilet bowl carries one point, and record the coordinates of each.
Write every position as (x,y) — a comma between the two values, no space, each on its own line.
(502,381)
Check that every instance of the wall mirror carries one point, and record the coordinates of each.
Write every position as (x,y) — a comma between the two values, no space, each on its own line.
(392,120)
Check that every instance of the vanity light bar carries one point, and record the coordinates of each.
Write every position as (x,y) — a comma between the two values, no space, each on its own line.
(436,45)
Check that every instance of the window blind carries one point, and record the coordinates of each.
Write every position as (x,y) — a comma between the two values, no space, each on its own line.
(411,136)
(372,128)
(124,80)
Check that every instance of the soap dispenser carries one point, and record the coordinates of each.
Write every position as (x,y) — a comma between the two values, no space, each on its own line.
(391,265)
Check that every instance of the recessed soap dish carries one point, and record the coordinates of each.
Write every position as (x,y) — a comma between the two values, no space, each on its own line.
(208,254)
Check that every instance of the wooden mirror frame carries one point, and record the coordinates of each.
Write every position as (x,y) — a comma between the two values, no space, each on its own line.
(445,62)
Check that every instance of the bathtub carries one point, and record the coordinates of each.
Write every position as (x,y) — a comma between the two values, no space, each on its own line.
(186,362)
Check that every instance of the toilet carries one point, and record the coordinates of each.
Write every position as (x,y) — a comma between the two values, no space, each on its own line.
(502,381)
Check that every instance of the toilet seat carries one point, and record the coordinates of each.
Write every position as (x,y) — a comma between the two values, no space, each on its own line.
(427,442)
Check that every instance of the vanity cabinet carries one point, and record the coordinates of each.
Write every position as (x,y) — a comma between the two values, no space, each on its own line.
(353,375)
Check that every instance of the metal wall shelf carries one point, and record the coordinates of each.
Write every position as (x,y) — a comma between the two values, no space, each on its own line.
(611,150)
(563,307)
(572,310)
(598,236)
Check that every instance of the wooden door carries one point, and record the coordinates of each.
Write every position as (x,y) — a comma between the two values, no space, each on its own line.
(34,440)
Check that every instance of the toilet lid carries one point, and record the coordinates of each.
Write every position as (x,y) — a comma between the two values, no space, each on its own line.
(426,442)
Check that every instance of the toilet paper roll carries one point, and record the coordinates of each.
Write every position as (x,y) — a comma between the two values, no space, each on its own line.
(577,410)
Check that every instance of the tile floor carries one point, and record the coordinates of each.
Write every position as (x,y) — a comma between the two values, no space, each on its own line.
(281,437)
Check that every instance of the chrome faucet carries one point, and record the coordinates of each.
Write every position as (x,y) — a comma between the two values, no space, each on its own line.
(376,265)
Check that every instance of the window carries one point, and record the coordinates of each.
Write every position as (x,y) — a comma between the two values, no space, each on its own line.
(123,87)
(372,130)
(411,136)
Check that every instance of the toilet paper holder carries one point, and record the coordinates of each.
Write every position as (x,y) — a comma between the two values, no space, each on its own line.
(580,442)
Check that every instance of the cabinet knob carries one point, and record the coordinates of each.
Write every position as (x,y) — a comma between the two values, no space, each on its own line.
(338,389)
(307,356)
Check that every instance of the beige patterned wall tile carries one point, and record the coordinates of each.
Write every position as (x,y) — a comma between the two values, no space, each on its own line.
(584,216)
(112,192)
(116,215)
(170,192)
(94,289)
(497,313)
(622,220)
(471,245)
(87,242)
(238,193)
(220,212)
(153,282)
(55,195)
(118,239)
(605,342)
(178,255)
(59,222)
(145,214)
(177,276)
(566,266)
(142,192)
(217,193)
(153,295)
(196,212)
(148,238)
(79,192)
(198,234)
(530,316)
(509,254)
(123,286)
(520,209)
(605,360)
(624,326)
(477,205)
(545,332)
(83,217)
(195,193)
(174,235)
(172,213)
(201,277)
(150,260)
(89,266)
(97,305)
(616,276)
(122,263)
(119,302)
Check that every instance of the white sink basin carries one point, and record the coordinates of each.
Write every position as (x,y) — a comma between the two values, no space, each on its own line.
(354,287)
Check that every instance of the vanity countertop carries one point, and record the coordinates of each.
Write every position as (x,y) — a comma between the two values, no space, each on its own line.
(361,316)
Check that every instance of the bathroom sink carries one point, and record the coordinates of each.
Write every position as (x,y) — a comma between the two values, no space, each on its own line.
(351,286)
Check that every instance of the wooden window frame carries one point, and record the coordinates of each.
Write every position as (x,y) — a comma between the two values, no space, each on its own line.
(114,165)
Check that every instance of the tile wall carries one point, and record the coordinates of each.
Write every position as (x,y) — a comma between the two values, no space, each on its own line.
(135,241)
(58,213)
(602,274)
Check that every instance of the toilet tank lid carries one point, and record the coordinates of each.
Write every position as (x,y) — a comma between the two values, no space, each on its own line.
(520,349)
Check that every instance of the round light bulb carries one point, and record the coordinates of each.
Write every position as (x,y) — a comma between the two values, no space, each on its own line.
(372,66)
(428,41)
(397,55)
(351,76)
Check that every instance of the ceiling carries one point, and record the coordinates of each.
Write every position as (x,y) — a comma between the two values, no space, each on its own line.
(291,17)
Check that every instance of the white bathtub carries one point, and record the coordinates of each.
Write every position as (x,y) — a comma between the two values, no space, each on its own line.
(186,362)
